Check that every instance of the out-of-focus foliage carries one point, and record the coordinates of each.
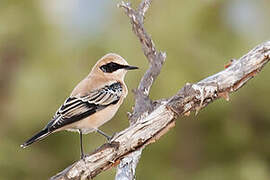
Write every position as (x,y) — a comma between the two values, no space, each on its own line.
(46,47)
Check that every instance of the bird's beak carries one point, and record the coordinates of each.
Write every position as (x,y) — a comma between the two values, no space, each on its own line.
(127,67)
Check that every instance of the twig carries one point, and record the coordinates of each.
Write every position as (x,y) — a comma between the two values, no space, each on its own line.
(162,118)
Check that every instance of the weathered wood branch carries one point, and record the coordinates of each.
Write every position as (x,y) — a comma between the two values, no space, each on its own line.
(127,166)
(151,120)
(143,105)
(156,59)
(151,127)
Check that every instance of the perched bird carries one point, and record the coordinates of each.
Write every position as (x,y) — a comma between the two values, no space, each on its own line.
(93,102)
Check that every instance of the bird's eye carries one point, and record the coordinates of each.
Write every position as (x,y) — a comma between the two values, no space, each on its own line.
(103,68)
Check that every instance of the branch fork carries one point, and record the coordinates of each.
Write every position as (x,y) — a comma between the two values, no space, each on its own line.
(152,119)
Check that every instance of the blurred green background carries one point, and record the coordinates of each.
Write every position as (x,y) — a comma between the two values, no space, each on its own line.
(47,47)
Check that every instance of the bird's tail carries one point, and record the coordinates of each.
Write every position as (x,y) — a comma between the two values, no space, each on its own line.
(39,136)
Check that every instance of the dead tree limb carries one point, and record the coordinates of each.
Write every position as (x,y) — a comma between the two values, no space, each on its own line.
(143,105)
(192,97)
(150,120)
(156,59)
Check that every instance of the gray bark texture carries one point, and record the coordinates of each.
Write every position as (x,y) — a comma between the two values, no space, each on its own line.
(143,105)
(152,119)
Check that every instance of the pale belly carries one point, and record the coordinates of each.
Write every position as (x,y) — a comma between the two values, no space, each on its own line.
(94,121)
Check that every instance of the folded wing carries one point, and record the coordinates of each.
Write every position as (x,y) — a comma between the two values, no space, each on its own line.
(77,108)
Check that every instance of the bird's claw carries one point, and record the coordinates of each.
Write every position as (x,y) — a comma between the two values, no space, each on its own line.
(83,156)
(109,138)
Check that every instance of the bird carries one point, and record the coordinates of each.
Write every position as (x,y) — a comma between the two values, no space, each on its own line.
(93,102)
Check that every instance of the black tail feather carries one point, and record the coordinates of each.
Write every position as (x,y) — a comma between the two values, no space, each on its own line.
(39,136)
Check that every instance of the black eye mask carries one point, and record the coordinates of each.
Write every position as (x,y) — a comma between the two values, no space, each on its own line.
(111,67)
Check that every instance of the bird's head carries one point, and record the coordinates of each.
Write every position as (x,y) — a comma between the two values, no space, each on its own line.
(113,66)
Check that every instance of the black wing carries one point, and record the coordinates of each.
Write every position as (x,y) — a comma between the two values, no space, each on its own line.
(77,108)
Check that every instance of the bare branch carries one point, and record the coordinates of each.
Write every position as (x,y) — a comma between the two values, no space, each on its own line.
(126,168)
(143,105)
(156,59)
(162,118)
(144,6)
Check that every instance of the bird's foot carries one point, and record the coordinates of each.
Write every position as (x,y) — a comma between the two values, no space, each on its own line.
(109,138)
(83,156)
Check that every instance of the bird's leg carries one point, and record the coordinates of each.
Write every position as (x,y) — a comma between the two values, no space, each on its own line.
(104,134)
(81,144)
